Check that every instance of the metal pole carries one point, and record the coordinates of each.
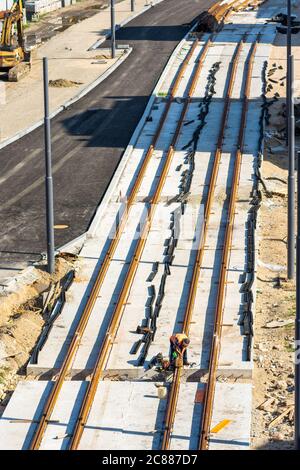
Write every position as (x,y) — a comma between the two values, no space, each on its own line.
(288,54)
(132,5)
(297,322)
(48,178)
(291,174)
(289,26)
(113,29)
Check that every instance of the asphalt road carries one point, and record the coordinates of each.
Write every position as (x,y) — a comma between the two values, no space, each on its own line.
(88,139)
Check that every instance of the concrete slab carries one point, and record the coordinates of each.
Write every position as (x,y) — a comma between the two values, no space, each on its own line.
(18,422)
(136,423)
(232,402)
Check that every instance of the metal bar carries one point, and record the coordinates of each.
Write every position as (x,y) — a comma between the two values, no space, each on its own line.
(113,28)
(288,54)
(291,175)
(117,314)
(73,347)
(289,28)
(48,176)
(216,339)
(174,392)
(297,322)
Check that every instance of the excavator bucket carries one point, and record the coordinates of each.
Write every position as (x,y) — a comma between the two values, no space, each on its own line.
(18,72)
(13,57)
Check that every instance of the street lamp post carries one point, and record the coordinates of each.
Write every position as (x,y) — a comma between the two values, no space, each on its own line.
(48,176)
(297,322)
(113,28)
(291,150)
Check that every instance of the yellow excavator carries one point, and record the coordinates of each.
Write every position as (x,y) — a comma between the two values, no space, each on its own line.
(13,57)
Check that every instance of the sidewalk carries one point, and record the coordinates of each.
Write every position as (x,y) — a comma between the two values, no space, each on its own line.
(69,59)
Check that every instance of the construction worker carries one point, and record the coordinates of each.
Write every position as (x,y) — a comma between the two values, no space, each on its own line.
(179,344)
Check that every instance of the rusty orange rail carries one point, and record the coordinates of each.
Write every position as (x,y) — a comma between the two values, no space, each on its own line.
(219,12)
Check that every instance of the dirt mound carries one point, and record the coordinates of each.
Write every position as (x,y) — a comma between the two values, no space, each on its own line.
(62,83)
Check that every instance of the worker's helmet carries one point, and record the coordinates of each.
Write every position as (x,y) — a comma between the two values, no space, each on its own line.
(186,341)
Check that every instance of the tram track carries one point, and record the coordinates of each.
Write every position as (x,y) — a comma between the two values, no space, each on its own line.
(75,342)
(174,392)
(116,316)
(191,151)
(104,350)
(216,338)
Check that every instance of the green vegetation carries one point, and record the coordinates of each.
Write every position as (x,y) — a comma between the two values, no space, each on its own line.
(289,348)
(3,372)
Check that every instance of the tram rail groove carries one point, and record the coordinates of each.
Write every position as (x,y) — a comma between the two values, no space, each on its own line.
(75,342)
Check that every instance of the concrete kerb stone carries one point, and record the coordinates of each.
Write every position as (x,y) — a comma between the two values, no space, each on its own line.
(68,103)
(115,179)
(123,23)
(74,246)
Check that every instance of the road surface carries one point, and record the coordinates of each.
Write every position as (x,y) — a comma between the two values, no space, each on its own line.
(88,139)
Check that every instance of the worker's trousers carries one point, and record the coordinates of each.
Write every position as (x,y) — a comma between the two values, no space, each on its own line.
(173,349)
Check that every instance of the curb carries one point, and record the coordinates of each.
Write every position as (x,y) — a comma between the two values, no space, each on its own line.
(126,155)
(73,100)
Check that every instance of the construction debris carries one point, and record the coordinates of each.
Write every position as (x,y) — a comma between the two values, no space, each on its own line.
(62,83)
(281,416)
(279,323)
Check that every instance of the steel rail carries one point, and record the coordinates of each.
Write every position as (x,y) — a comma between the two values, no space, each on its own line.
(216,339)
(174,391)
(118,310)
(222,12)
(74,345)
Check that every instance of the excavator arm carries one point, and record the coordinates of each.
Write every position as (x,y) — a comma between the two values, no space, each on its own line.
(11,17)
(13,57)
